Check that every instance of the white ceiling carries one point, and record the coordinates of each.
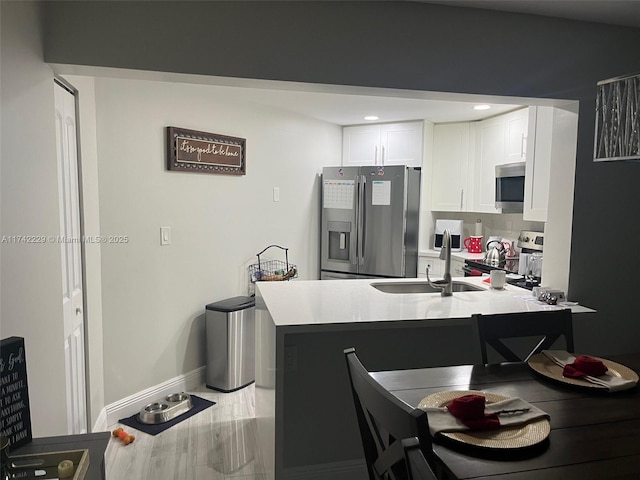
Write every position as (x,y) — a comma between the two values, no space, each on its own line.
(614,12)
(350,109)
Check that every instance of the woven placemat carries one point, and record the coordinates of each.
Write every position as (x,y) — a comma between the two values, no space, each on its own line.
(511,437)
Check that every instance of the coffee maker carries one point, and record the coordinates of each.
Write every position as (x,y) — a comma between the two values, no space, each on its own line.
(455,229)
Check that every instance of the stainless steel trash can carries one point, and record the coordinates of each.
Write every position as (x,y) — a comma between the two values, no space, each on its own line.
(230,329)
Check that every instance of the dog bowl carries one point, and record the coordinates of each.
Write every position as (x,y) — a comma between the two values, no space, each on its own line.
(166,409)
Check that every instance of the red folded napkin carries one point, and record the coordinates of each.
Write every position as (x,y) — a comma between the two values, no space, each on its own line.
(583,366)
(469,409)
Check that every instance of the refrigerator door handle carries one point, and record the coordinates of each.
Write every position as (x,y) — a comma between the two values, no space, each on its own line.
(361,196)
(353,247)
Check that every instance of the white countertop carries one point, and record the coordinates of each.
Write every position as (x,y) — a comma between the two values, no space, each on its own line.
(323,302)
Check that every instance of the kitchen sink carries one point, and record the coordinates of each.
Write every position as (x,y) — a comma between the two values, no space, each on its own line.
(421,287)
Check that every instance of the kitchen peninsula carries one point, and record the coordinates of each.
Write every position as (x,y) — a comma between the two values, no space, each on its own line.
(306,421)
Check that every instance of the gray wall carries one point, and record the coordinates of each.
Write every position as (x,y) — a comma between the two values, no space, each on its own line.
(408,45)
(31,301)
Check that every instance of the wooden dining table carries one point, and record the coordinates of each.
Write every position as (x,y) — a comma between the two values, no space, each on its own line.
(594,434)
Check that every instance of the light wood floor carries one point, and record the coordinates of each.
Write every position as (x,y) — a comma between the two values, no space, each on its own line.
(218,443)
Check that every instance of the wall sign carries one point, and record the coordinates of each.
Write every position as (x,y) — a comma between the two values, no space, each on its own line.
(193,151)
(15,415)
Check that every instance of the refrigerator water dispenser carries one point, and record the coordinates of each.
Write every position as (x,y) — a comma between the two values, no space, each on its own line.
(339,240)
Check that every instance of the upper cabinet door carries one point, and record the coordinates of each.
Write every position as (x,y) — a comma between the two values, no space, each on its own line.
(401,144)
(516,132)
(384,144)
(452,155)
(361,145)
(490,152)
(501,139)
(536,182)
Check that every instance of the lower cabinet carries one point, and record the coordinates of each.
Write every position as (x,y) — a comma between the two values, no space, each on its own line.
(457,265)
(436,266)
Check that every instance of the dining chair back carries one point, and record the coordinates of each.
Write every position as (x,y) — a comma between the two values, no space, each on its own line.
(417,466)
(384,421)
(548,325)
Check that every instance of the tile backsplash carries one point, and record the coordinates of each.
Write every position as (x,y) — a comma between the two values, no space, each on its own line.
(506,225)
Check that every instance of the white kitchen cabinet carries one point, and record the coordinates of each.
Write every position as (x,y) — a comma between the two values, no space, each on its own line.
(383,144)
(500,140)
(451,176)
(552,145)
(457,265)
(536,180)
(436,267)
(516,133)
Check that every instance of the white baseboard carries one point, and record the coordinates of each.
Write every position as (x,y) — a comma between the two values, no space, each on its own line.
(134,403)
(101,424)
(346,470)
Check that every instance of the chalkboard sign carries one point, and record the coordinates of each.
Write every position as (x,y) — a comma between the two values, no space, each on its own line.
(15,416)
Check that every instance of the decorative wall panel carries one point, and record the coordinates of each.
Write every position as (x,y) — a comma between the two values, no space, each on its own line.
(618,119)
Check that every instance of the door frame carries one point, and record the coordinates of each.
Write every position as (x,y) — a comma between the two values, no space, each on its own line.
(85,340)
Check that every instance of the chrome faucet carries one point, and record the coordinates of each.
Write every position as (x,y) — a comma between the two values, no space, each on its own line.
(445,285)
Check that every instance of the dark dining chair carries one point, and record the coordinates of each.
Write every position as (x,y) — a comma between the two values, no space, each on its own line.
(416,464)
(384,421)
(548,325)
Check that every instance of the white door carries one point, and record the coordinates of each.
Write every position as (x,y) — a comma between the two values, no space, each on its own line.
(70,243)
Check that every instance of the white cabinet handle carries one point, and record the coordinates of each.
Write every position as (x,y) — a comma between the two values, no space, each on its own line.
(78,311)
(375,156)
(523,148)
(382,157)
(462,199)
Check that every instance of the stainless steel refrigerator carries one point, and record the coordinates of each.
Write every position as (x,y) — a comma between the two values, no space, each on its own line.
(369,222)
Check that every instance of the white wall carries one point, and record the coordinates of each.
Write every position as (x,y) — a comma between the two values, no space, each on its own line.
(31,302)
(154,296)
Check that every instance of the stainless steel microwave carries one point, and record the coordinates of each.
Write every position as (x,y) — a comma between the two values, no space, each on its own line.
(510,187)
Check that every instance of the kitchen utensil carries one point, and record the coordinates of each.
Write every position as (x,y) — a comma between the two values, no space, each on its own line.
(473,244)
(495,255)
(493,240)
(508,248)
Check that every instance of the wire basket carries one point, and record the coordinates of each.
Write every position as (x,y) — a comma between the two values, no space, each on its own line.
(272,270)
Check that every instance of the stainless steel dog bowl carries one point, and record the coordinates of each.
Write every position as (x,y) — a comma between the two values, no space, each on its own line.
(166,409)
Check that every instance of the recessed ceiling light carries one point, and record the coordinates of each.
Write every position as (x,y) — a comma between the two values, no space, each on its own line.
(371,117)
(482,107)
